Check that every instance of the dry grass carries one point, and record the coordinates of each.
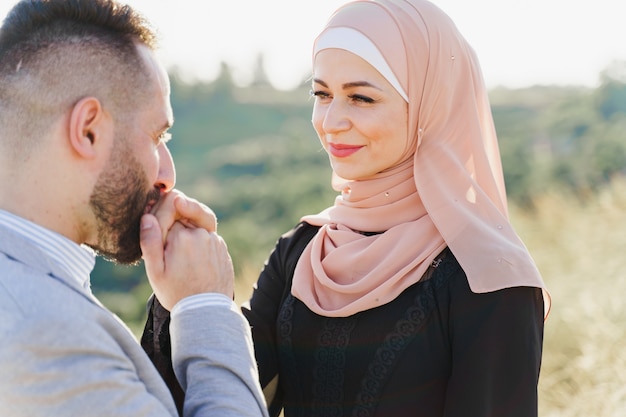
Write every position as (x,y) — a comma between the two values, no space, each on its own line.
(580,249)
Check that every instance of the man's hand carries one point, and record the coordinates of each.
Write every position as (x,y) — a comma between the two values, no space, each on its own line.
(183,254)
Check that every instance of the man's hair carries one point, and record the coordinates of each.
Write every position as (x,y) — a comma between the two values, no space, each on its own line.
(55,52)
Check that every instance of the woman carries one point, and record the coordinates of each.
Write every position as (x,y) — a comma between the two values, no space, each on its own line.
(412,295)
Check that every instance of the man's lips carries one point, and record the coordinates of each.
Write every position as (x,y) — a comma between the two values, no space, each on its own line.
(153,198)
(150,206)
(341,151)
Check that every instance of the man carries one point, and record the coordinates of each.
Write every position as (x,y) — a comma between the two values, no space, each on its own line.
(85,169)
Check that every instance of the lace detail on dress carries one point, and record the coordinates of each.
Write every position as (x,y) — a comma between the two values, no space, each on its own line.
(330,358)
(285,347)
(403,333)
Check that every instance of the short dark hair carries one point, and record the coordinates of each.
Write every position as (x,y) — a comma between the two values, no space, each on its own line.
(55,52)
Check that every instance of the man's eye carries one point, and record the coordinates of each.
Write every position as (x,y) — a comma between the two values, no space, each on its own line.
(318,93)
(165,137)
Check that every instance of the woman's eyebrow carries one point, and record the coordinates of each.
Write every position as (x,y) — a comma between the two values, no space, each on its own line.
(359,84)
(348,85)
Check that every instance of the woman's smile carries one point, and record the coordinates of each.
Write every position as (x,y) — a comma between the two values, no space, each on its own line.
(339,150)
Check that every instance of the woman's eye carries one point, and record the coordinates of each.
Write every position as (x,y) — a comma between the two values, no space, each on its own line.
(358,98)
(364,99)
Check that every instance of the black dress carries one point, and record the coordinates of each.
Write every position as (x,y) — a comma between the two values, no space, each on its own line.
(436,350)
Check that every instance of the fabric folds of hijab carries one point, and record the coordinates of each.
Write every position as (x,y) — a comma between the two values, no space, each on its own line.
(449,193)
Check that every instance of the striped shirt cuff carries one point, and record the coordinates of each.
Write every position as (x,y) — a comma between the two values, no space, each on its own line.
(203,300)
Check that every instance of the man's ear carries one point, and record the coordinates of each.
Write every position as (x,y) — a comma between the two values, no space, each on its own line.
(86,126)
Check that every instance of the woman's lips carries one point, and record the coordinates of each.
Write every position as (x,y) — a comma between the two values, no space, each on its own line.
(341,151)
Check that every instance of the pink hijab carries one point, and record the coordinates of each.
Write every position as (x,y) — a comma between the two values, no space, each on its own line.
(449,191)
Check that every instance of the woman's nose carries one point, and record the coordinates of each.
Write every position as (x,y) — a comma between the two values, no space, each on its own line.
(335,118)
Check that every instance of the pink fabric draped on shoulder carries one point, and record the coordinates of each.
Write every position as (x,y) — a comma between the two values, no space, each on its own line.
(449,192)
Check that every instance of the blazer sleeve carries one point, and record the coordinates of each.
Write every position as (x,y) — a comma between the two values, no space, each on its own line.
(214,364)
(496,348)
(58,367)
(63,354)
(261,313)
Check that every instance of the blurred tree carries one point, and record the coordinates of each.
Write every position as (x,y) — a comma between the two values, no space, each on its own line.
(612,93)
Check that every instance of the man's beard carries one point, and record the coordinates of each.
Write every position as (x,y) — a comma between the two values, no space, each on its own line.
(119,200)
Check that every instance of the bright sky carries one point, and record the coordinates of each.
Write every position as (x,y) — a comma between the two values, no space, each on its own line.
(519,42)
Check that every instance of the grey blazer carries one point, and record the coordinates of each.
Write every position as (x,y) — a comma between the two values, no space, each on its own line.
(62,353)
